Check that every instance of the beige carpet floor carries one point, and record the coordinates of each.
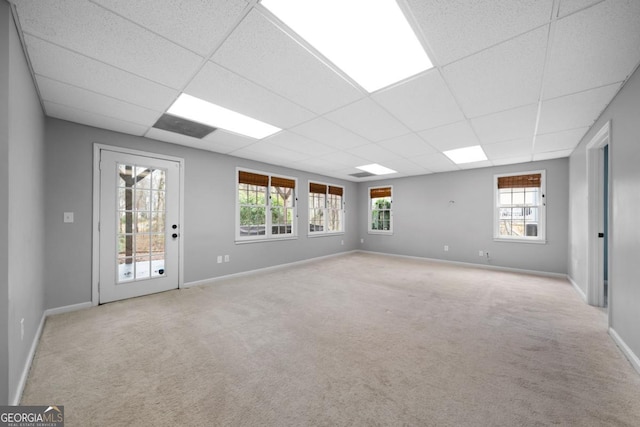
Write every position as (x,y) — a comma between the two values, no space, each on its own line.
(356,340)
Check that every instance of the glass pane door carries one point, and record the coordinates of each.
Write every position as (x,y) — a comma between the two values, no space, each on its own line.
(141,214)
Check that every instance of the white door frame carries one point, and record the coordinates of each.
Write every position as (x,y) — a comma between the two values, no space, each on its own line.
(596,203)
(95,249)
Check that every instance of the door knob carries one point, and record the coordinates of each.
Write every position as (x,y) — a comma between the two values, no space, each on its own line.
(174,226)
(174,235)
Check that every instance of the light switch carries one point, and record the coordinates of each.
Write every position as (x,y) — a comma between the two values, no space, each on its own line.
(68,217)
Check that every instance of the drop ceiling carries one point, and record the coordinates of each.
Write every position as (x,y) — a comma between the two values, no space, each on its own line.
(524,79)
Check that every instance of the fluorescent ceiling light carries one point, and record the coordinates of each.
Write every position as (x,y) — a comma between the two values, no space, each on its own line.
(466,155)
(371,41)
(198,110)
(376,169)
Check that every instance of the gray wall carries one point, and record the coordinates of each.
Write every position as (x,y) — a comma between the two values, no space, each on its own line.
(624,246)
(209,221)
(425,221)
(5,25)
(25,240)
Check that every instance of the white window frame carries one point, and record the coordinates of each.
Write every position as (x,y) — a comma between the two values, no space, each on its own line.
(542,210)
(268,236)
(370,211)
(326,209)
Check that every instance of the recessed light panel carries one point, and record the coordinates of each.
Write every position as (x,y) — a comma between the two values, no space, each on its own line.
(376,169)
(201,111)
(371,41)
(466,155)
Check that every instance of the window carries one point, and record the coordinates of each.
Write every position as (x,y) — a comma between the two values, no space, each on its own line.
(326,209)
(380,210)
(520,207)
(266,206)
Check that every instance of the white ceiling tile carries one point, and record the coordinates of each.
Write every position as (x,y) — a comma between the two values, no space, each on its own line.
(595,47)
(574,111)
(518,123)
(225,88)
(421,103)
(345,159)
(437,162)
(97,33)
(300,144)
(373,153)
(405,166)
(506,76)
(270,153)
(449,137)
(226,142)
(408,146)
(86,118)
(319,165)
(512,160)
(570,6)
(458,28)
(196,25)
(71,96)
(69,67)
(329,133)
(557,141)
(552,155)
(369,120)
(476,165)
(263,53)
(508,149)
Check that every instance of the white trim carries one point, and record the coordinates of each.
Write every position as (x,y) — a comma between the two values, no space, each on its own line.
(470,264)
(595,171)
(541,238)
(95,236)
(264,269)
(17,397)
(268,236)
(68,308)
(577,288)
(343,221)
(629,354)
(388,232)
(27,364)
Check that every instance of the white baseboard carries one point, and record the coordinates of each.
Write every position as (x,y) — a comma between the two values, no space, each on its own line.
(27,364)
(17,396)
(263,270)
(68,308)
(577,288)
(470,264)
(629,354)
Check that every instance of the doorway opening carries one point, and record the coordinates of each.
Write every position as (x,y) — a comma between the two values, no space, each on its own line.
(598,194)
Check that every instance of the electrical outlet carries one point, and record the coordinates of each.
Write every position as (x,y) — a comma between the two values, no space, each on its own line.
(68,217)
(446,248)
(361,240)
(342,242)
(480,253)
(226,258)
(22,329)
(219,259)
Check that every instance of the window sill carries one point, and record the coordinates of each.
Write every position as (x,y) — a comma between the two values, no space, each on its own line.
(535,242)
(263,240)
(336,233)
(382,233)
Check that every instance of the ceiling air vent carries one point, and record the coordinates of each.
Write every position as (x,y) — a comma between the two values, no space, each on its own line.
(183,126)
(361,174)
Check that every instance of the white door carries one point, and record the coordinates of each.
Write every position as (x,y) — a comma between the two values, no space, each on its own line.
(139,225)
